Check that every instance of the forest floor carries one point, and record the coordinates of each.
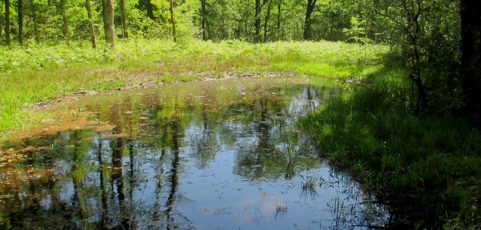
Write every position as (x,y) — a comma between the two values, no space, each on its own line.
(426,167)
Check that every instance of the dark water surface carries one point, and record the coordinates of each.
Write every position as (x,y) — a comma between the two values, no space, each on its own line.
(204,155)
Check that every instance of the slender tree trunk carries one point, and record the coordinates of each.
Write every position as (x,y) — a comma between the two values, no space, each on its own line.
(414,30)
(93,38)
(311,4)
(266,20)
(203,6)
(279,13)
(7,22)
(104,19)
(108,17)
(63,11)
(1,27)
(1,31)
(35,23)
(246,22)
(172,20)
(20,20)
(150,10)
(257,21)
(471,57)
(122,19)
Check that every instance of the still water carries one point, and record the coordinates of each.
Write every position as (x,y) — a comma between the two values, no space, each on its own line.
(203,155)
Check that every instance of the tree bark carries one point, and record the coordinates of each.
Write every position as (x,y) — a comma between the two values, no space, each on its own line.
(122,19)
(471,57)
(20,20)
(108,17)
(63,11)
(93,38)
(7,22)
(172,20)
(311,4)
(35,22)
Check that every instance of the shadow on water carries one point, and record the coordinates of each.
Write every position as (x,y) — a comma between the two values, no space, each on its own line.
(219,154)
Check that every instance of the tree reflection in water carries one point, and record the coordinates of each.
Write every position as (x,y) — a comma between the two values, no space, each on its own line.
(183,156)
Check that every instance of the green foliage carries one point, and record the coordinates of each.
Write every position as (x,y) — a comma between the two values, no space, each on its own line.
(357,32)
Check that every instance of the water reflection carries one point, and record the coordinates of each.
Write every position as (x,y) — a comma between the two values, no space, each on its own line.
(220,154)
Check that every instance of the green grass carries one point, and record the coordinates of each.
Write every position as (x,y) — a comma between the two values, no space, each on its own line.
(426,167)
(41,73)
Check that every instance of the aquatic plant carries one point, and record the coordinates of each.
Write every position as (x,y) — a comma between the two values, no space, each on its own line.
(309,186)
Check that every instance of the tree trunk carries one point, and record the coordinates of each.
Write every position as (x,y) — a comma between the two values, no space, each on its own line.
(1,30)
(311,4)
(150,9)
(414,32)
(93,38)
(122,19)
(20,20)
(35,23)
(63,11)
(279,13)
(203,6)
(471,57)
(108,17)
(266,20)
(7,22)
(172,20)
(147,5)
(246,20)
(257,21)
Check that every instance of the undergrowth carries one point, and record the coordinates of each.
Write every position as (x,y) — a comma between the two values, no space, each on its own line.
(425,167)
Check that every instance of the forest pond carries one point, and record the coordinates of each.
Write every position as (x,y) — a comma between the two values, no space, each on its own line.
(220,154)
